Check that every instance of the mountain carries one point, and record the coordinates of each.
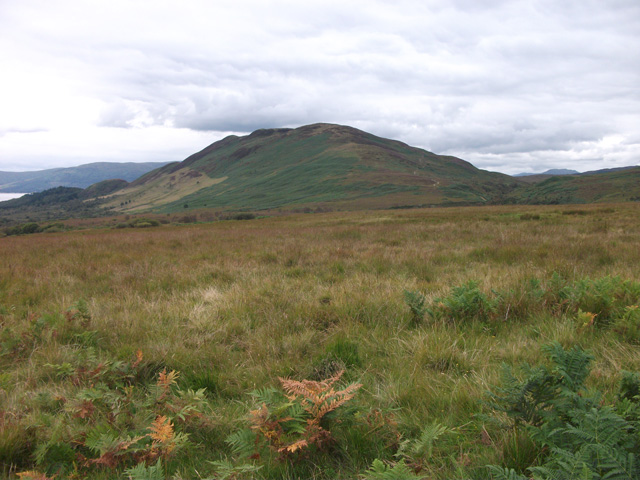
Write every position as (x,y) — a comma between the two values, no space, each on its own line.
(611,185)
(608,170)
(81,176)
(553,171)
(315,167)
(320,165)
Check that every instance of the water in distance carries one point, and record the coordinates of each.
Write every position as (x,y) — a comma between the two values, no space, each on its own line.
(8,196)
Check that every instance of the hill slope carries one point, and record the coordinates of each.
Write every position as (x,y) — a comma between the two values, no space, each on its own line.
(616,185)
(319,165)
(81,176)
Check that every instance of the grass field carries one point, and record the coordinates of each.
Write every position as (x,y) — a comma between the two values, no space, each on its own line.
(95,322)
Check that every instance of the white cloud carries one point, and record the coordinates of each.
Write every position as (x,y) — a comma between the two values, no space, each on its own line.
(508,85)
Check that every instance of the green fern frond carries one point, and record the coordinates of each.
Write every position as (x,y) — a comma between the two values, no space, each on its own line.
(502,473)
(381,471)
(524,400)
(225,470)
(572,366)
(101,439)
(599,426)
(629,386)
(268,395)
(143,472)
(564,465)
(242,442)
(423,447)
(416,303)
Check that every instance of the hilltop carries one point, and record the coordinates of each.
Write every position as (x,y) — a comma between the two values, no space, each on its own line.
(320,165)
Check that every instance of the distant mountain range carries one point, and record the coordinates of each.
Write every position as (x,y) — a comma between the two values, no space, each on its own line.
(540,177)
(319,167)
(81,176)
(553,171)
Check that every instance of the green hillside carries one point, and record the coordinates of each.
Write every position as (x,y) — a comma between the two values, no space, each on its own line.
(621,185)
(317,165)
(57,203)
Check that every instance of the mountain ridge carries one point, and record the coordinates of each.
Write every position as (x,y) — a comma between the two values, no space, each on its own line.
(317,167)
(552,171)
(81,176)
(318,163)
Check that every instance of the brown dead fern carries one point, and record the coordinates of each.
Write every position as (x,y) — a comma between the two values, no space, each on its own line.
(317,398)
(164,383)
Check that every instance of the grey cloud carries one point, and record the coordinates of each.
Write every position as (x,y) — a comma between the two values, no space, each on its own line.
(7,131)
(503,82)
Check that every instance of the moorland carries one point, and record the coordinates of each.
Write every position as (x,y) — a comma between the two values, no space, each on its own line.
(465,342)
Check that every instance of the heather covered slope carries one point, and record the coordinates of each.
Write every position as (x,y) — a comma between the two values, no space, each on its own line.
(317,164)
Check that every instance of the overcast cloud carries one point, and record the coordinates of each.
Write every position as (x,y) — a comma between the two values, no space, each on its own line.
(510,86)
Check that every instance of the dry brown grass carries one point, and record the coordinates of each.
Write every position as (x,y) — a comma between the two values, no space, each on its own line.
(249,301)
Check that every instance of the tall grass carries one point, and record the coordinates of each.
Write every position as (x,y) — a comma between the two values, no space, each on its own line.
(233,306)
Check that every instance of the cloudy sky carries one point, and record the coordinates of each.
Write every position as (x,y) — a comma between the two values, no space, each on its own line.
(511,86)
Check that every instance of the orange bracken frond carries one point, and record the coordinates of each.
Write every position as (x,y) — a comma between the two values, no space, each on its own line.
(259,416)
(33,475)
(293,447)
(319,397)
(165,380)
(138,359)
(112,457)
(85,409)
(309,388)
(161,430)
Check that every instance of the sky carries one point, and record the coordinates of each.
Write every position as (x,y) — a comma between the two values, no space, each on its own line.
(510,86)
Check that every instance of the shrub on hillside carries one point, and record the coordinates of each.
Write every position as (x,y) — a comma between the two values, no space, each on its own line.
(242,216)
(144,223)
(138,223)
(24,229)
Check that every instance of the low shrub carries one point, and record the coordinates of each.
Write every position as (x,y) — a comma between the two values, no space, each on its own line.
(628,325)
(242,216)
(464,303)
(138,223)
(606,297)
(144,223)
(24,229)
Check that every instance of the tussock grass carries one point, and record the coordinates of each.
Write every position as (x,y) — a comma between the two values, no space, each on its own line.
(235,305)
